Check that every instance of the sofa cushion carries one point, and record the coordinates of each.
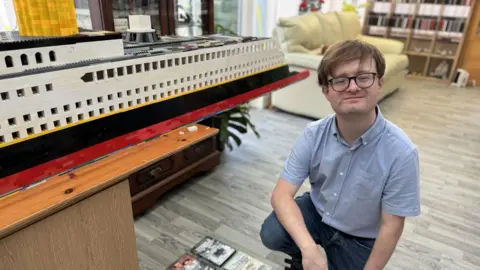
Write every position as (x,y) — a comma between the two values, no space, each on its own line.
(303,30)
(350,24)
(331,30)
(395,63)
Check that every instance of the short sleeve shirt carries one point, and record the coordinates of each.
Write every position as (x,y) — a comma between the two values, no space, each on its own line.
(352,185)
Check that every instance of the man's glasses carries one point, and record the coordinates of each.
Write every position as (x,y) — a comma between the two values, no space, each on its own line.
(364,80)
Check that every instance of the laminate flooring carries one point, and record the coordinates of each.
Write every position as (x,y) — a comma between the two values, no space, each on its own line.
(231,202)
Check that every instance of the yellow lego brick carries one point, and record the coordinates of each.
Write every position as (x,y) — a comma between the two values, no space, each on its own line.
(46,17)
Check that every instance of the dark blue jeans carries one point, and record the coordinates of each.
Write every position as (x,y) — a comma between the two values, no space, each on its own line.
(344,252)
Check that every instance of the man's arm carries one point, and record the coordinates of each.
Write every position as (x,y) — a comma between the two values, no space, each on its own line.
(390,232)
(296,170)
(289,215)
(401,198)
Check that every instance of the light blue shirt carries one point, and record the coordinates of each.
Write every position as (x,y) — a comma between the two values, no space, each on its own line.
(351,186)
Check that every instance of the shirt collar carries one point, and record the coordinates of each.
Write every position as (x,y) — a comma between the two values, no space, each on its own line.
(371,133)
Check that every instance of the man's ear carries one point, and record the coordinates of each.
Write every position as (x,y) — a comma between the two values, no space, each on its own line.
(381,82)
(325,90)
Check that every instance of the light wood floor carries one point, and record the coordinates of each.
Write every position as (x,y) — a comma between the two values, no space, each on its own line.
(231,202)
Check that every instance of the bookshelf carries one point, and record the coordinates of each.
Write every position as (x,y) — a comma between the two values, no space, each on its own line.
(433,32)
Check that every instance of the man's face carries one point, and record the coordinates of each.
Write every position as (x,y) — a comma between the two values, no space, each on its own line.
(349,97)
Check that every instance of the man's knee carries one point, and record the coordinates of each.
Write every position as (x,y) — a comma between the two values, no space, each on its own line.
(273,235)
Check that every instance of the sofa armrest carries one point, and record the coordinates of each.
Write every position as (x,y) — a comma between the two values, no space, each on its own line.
(385,45)
(303,60)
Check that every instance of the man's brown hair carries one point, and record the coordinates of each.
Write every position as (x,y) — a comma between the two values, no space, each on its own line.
(347,51)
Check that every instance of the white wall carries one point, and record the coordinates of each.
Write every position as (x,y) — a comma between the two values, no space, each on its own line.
(258,18)
(7,15)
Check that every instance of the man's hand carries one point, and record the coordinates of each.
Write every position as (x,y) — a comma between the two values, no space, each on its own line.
(312,259)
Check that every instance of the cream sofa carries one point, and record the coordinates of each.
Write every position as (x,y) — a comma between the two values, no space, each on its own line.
(303,37)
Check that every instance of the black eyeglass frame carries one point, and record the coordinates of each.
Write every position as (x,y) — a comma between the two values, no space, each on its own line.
(355,79)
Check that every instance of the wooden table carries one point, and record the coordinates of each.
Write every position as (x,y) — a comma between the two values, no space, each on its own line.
(83,219)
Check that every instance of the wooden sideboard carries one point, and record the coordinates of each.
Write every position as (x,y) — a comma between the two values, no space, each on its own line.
(83,219)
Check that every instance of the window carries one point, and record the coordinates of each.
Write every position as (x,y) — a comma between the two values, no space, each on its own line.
(38,58)
(24,59)
(110,73)
(52,56)
(20,93)
(8,61)
(120,71)
(12,121)
(100,75)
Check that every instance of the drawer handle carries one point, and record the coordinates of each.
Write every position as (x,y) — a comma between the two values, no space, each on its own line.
(156,172)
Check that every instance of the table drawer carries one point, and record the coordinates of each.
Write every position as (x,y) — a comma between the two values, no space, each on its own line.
(151,175)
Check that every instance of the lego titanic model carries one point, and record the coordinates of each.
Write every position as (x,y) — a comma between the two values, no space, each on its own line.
(70,99)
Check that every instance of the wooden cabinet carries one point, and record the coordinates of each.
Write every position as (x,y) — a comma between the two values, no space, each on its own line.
(94,233)
(83,219)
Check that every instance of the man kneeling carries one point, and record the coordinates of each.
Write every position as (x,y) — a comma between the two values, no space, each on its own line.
(363,171)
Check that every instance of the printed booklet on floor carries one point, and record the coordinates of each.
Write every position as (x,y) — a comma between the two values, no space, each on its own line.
(214,251)
(190,262)
(211,254)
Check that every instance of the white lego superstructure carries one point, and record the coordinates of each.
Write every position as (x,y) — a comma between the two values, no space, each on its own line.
(52,84)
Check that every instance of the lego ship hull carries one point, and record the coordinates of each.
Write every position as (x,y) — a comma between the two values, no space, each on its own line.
(31,161)
(58,115)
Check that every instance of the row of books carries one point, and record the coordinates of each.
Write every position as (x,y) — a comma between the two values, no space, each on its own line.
(442,2)
(425,23)
(424,9)
(212,254)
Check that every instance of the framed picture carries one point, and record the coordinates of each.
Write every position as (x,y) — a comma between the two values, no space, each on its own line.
(213,251)
(190,262)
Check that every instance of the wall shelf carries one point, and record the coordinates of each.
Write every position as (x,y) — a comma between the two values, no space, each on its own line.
(433,32)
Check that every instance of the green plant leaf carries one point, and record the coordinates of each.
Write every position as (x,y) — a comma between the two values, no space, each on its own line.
(236,118)
(235,138)
(239,128)
(229,145)
(242,120)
